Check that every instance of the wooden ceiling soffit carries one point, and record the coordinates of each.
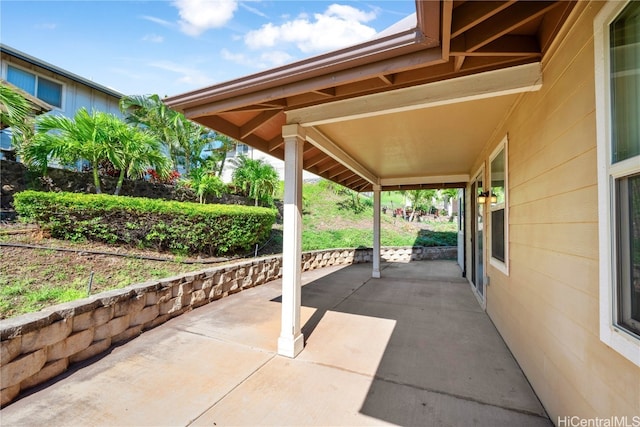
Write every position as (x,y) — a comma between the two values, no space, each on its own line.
(223,126)
(340,174)
(515,45)
(390,65)
(472,13)
(485,85)
(325,166)
(321,141)
(504,22)
(275,143)
(353,181)
(259,120)
(315,160)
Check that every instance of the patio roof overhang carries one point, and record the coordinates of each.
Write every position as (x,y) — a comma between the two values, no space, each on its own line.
(404,111)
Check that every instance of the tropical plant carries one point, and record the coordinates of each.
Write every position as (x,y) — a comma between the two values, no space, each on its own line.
(258,179)
(133,151)
(205,183)
(184,140)
(15,113)
(95,137)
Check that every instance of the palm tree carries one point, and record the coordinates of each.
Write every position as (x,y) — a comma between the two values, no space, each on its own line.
(258,179)
(183,138)
(133,151)
(14,108)
(16,113)
(148,111)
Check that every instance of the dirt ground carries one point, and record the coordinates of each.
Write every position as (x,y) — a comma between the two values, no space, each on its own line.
(35,277)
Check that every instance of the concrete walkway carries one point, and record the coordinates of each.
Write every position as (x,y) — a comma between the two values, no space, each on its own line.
(411,348)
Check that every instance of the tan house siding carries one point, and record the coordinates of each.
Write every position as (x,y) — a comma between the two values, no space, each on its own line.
(547,308)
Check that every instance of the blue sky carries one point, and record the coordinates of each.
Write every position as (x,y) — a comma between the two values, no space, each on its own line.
(170,47)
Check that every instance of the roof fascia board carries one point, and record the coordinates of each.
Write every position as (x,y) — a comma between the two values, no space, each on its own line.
(417,180)
(57,70)
(522,78)
(320,140)
(340,60)
(391,65)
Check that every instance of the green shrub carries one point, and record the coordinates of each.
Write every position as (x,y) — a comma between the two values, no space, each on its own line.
(164,225)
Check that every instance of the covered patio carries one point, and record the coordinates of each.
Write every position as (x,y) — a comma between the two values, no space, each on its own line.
(410,348)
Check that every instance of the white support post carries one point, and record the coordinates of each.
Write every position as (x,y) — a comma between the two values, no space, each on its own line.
(291,341)
(376,232)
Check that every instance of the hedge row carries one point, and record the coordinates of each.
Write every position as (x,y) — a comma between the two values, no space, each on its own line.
(164,225)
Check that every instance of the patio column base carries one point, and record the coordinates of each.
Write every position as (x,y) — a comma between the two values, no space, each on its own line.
(290,346)
(376,274)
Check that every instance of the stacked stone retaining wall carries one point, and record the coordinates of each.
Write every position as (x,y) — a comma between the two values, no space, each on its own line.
(37,347)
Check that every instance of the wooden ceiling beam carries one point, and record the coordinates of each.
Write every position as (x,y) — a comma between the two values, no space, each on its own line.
(253,124)
(472,13)
(276,143)
(447,16)
(504,46)
(313,161)
(504,22)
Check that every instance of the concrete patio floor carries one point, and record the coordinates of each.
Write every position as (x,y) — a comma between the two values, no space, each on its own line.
(411,348)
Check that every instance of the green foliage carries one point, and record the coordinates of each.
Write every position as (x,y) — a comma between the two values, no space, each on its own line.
(174,226)
(256,178)
(205,184)
(95,137)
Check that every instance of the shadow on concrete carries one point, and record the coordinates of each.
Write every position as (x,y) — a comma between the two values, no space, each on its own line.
(441,360)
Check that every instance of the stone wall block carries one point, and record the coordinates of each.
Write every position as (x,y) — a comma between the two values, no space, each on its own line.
(48,371)
(113,327)
(94,349)
(129,306)
(171,306)
(127,335)
(197,298)
(46,336)
(10,349)
(70,345)
(8,394)
(198,282)
(163,296)
(215,293)
(207,284)
(184,288)
(22,368)
(146,315)
(248,282)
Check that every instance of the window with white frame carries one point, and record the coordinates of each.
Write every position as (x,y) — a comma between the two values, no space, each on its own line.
(498,207)
(45,89)
(617,40)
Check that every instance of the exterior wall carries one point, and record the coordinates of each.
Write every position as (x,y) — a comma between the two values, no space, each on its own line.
(75,95)
(547,308)
(37,347)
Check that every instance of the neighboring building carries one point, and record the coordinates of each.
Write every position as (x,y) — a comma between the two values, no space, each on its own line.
(64,91)
(535,103)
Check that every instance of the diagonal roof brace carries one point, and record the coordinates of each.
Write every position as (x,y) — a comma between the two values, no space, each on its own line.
(320,140)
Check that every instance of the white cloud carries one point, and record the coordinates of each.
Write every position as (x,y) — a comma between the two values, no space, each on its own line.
(338,26)
(253,10)
(158,21)
(197,16)
(153,38)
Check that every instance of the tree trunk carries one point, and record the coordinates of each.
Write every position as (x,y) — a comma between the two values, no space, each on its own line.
(119,184)
(96,179)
